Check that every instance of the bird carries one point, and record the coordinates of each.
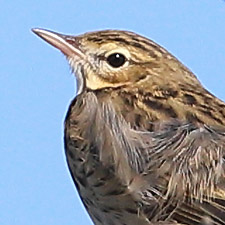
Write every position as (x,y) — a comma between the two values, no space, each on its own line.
(144,140)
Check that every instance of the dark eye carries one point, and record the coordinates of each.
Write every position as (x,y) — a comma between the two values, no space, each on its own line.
(116,60)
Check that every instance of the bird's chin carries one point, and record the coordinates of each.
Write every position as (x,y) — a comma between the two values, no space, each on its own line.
(77,70)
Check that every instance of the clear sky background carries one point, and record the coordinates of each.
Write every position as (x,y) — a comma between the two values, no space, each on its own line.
(36,88)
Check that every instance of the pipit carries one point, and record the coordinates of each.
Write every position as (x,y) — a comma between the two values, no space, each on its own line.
(144,140)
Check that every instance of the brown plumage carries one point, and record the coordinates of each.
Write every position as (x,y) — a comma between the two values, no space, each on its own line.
(144,140)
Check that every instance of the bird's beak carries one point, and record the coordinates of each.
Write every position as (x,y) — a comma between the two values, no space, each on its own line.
(68,45)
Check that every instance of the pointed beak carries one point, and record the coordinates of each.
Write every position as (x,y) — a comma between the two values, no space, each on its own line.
(68,45)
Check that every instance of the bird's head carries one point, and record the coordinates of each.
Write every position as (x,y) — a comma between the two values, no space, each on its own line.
(113,58)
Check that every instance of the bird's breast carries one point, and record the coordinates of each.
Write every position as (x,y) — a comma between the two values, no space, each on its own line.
(91,165)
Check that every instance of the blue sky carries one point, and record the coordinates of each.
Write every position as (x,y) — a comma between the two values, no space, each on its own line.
(36,88)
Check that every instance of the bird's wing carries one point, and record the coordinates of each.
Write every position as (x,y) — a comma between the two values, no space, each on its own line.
(188,167)
(211,211)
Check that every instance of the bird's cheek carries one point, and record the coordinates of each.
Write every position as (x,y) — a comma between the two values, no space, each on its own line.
(95,82)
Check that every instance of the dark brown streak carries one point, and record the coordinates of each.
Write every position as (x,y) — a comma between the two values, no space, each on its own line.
(156,105)
(136,45)
(147,47)
(147,42)
(190,99)
(210,115)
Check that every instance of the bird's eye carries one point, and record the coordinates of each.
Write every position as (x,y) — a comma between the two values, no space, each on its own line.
(116,60)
